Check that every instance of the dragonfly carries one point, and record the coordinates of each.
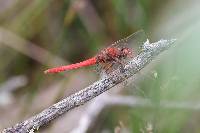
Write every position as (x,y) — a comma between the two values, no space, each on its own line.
(110,58)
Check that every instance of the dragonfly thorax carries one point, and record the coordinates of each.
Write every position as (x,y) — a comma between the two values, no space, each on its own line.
(112,54)
(126,52)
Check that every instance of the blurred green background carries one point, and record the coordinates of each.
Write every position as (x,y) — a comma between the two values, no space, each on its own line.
(39,34)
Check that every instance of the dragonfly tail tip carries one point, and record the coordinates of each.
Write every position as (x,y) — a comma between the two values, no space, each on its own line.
(46,72)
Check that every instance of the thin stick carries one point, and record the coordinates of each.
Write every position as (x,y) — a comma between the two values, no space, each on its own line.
(93,111)
(149,51)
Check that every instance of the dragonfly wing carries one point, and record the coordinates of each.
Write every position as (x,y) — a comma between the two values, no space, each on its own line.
(104,69)
(133,41)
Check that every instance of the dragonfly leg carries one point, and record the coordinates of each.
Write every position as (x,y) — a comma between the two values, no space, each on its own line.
(108,68)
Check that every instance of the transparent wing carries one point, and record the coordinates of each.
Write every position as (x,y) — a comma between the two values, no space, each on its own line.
(133,41)
(103,69)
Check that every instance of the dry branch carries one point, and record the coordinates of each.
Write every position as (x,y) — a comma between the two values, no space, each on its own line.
(93,111)
(149,51)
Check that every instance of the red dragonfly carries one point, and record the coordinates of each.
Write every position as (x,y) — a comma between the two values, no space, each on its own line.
(109,58)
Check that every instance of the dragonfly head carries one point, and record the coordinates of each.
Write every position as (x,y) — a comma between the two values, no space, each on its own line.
(126,52)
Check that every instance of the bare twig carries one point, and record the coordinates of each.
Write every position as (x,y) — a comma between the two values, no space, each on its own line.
(130,101)
(94,111)
(10,85)
(149,51)
(13,83)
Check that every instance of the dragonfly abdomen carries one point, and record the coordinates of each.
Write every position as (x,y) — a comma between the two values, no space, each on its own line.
(88,62)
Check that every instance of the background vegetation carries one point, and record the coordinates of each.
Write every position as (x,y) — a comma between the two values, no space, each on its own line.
(38,34)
